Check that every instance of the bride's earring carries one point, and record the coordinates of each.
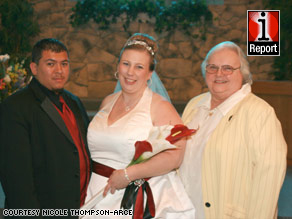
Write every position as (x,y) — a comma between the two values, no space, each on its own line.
(117,75)
(149,82)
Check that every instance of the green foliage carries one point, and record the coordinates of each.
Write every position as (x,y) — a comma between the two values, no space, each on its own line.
(17,27)
(283,63)
(181,14)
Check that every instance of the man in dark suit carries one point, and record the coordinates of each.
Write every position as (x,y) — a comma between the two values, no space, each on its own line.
(44,158)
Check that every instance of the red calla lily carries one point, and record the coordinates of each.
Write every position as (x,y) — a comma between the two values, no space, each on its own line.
(179,131)
(141,147)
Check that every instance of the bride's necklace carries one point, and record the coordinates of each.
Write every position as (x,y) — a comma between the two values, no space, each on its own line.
(128,107)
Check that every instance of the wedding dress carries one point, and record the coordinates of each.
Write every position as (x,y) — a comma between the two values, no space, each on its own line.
(113,145)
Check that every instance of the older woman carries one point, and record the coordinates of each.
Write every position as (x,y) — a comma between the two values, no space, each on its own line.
(128,116)
(234,165)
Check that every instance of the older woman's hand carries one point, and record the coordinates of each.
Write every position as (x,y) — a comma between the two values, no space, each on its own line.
(116,181)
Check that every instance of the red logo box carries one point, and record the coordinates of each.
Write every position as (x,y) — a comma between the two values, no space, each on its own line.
(263,35)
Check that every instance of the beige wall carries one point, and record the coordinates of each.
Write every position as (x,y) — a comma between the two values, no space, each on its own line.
(94,53)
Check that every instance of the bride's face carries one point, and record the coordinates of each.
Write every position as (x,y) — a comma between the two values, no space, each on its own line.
(134,70)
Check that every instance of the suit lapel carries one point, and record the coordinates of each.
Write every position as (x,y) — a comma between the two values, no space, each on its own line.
(49,108)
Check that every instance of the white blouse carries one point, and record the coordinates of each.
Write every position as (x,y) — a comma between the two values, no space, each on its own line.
(205,121)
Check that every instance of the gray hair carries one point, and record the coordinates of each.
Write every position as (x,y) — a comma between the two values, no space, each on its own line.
(244,64)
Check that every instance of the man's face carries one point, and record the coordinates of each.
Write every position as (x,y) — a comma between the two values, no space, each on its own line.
(52,71)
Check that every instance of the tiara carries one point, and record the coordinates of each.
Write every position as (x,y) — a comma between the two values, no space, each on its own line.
(142,43)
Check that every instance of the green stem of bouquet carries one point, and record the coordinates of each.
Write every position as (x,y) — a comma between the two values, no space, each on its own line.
(139,160)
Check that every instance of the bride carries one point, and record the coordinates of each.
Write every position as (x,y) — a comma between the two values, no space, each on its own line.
(125,117)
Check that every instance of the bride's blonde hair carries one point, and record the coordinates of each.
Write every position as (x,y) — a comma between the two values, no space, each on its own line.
(142,42)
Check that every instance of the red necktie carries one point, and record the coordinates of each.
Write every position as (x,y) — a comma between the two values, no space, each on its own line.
(67,112)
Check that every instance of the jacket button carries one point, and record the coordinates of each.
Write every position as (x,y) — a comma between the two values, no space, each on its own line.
(76,175)
(207,204)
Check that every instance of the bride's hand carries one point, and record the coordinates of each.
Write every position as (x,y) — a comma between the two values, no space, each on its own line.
(115,182)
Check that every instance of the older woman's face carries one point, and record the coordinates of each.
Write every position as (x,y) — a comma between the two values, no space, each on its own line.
(220,85)
(134,70)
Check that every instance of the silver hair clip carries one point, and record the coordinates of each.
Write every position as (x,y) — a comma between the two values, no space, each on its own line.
(142,43)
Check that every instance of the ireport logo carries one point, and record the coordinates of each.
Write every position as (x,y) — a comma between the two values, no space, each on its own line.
(263,35)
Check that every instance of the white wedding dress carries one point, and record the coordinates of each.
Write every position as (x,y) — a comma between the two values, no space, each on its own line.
(113,145)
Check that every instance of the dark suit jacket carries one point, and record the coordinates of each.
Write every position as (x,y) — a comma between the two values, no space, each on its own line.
(39,162)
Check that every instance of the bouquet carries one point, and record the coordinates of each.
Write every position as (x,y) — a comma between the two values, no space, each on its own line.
(12,77)
(160,138)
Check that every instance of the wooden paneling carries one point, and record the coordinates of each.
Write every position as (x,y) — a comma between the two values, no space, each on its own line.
(279,95)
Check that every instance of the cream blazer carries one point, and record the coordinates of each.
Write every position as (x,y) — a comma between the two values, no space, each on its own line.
(244,161)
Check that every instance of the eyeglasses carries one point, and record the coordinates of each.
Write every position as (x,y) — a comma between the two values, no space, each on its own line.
(225,69)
